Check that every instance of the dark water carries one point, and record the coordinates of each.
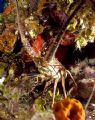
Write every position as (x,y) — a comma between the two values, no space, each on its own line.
(2,4)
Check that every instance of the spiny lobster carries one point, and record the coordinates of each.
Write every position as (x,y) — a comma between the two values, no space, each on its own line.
(48,66)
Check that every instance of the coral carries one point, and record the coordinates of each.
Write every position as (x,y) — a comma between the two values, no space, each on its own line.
(7,42)
(69,109)
(38,44)
(33,27)
(9,9)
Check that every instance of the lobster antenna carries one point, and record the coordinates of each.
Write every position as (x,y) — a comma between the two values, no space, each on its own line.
(54,46)
(24,40)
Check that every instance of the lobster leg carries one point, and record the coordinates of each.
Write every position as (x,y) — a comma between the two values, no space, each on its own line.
(68,72)
(63,86)
(54,90)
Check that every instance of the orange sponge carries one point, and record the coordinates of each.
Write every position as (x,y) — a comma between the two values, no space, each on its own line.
(69,109)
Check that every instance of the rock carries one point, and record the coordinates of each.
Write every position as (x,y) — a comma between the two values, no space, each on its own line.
(47,115)
(85,87)
(90,115)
